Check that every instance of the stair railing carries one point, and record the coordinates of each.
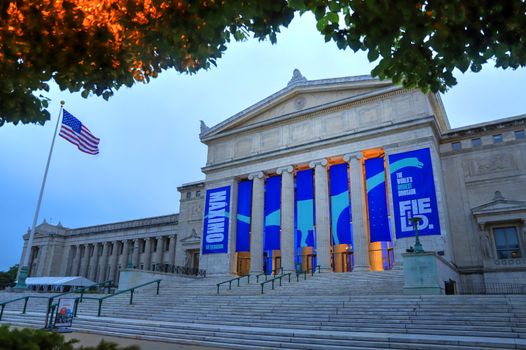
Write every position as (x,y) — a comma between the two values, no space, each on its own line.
(304,273)
(131,290)
(277,278)
(233,280)
(50,299)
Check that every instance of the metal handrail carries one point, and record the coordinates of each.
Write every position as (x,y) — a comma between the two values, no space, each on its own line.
(274,279)
(50,299)
(82,290)
(26,299)
(304,273)
(261,274)
(131,290)
(232,280)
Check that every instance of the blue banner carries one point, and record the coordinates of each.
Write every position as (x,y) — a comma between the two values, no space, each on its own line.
(341,227)
(377,200)
(215,226)
(272,214)
(244,209)
(414,193)
(304,210)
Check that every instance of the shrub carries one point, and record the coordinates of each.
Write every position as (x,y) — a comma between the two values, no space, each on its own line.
(31,339)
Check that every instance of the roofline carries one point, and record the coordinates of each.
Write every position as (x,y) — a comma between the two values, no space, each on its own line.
(289,89)
(157,220)
(191,184)
(486,126)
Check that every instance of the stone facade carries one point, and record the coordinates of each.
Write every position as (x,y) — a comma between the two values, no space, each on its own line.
(100,252)
(479,178)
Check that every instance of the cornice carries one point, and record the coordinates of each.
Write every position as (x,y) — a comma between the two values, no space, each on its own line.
(353,136)
(330,107)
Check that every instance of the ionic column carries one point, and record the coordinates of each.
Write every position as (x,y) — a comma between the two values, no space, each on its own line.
(287,218)
(321,200)
(103,275)
(114,273)
(159,253)
(257,220)
(361,241)
(135,255)
(124,257)
(171,251)
(147,254)
(68,268)
(94,262)
(75,264)
(84,261)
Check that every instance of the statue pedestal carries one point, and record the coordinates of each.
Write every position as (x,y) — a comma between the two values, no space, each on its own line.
(426,273)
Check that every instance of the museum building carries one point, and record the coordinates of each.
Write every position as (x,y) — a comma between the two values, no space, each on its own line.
(337,173)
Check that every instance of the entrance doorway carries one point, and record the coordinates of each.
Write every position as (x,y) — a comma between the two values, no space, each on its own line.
(243,263)
(381,256)
(307,258)
(342,258)
(192,256)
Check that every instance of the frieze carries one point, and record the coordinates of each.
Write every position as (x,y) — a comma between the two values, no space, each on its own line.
(495,163)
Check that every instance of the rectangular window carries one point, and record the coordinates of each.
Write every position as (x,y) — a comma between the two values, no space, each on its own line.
(198,193)
(166,246)
(456,146)
(143,247)
(154,245)
(497,138)
(506,242)
(188,194)
(476,142)
(519,134)
(142,267)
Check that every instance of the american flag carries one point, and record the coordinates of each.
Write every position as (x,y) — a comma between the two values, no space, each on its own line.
(76,133)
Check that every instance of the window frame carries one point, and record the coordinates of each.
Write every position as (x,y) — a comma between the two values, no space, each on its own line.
(507,249)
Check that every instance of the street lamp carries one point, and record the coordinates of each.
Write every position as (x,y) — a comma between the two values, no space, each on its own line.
(418,245)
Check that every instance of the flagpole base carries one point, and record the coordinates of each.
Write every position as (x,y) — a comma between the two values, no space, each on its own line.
(21,282)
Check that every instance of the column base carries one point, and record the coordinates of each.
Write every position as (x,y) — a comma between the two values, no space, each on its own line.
(361,268)
(21,282)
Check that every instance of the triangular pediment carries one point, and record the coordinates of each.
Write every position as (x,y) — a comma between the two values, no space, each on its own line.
(193,238)
(499,205)
(300,97)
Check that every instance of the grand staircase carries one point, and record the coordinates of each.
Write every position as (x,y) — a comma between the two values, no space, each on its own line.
(359,310)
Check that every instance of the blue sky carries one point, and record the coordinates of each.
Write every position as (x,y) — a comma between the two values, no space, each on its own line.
(149,133)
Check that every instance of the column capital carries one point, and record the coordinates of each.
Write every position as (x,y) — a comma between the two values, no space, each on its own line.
(355,155)
(258,175)
(172,236)
(136,240)
(320,162)
(159,237)
(284,169)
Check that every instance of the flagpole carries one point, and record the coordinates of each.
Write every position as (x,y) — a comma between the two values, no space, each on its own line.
(24,269)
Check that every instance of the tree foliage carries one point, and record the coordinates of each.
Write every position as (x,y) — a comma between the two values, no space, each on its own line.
(7,278)
(97,46)
(420,43)
(25,339)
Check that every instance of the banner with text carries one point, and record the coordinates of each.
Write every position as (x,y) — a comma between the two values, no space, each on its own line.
(272,214)
(304,218)
(414,193)
(377,200)
(244,208)
(215,226)
(341,227)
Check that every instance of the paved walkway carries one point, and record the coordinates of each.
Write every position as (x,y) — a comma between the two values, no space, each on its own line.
(94,339)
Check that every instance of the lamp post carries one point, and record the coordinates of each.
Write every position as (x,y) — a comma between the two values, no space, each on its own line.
(418,245)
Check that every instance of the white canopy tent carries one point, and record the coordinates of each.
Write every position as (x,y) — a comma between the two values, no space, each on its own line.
(73,281)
